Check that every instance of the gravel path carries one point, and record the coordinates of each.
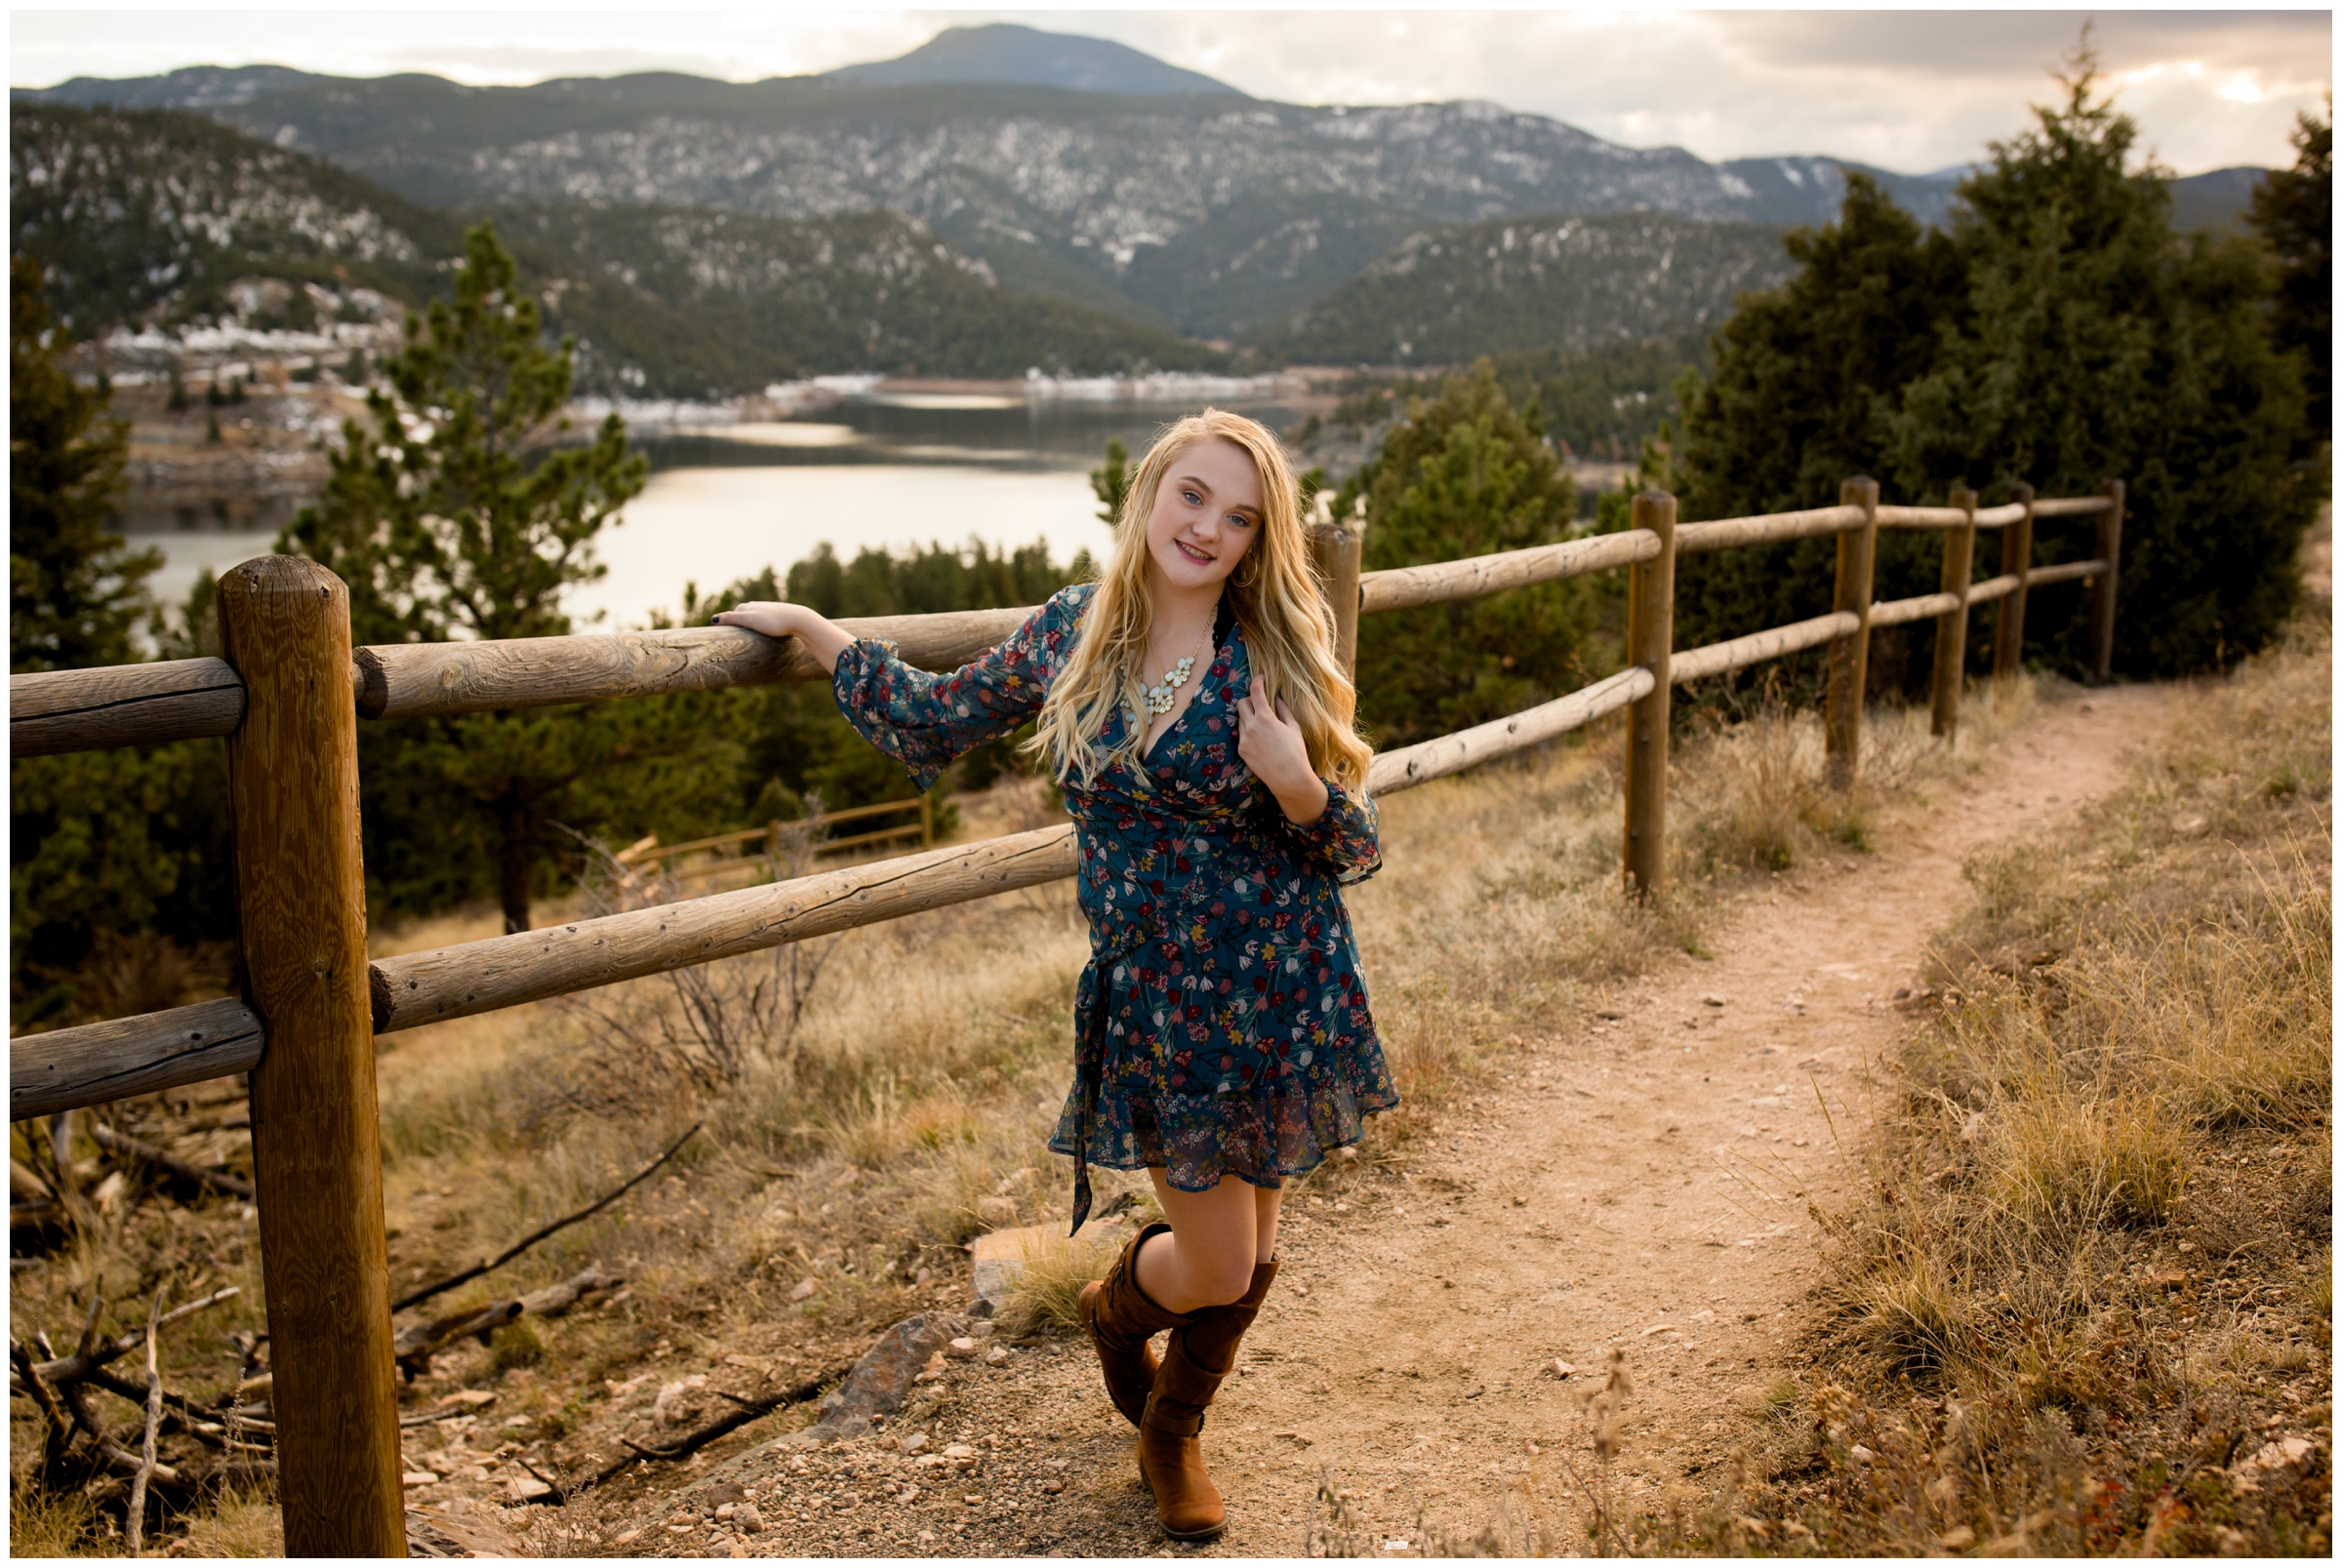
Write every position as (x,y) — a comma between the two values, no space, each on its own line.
(1642,1183)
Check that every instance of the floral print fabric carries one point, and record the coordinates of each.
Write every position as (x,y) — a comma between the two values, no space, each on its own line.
(1221,1025)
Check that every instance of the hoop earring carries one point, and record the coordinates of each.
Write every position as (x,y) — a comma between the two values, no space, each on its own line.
(1248,573)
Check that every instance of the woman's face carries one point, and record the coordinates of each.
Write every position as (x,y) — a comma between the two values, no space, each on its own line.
(1206,513)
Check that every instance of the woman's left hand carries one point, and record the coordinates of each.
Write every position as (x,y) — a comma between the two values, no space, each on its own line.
(1272,748)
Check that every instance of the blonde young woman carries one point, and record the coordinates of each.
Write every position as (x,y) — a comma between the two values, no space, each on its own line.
(1191,708)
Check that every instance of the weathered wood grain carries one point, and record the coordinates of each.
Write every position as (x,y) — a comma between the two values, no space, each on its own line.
(1947,516)
(97,1062)
(1403,588)
(481,976)
(1720,658)
(1903,612)
(1650,644)
(1411,765)
(397,681)
(2017,554)
(2067,572)
(1335,553)
(1951,622)
(316,1140)
(59,710)
(1730,532)
(1850,655)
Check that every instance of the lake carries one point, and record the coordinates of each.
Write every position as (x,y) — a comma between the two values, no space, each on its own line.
(885,470)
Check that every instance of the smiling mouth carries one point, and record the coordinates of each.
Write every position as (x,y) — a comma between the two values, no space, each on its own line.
(1192,554)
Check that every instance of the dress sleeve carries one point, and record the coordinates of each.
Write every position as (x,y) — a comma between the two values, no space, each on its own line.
(924,720)
(1344,839)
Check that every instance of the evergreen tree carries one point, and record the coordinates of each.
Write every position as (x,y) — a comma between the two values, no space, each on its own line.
(2059,333)
(101,843)
(460,514)
(2293,212)
(1466,473)
(76,592)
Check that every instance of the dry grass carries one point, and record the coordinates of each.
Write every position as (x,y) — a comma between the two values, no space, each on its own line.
(872,1101)
(2088,1306)
(1053,1271)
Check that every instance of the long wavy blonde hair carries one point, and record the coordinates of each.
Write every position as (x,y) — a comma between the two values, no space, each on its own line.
(1288,624)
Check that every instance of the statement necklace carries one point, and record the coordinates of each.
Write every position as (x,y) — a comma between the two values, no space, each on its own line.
(1160,695)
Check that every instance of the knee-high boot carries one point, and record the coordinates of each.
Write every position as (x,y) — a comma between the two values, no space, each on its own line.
(1120,1317)
(1201,1355)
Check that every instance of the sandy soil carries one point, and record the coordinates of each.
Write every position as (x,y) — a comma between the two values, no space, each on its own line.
(1640,1179)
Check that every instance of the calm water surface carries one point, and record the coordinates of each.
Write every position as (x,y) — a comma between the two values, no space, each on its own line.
(885,473)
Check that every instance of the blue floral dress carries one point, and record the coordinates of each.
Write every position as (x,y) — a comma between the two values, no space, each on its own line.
(1220,1027)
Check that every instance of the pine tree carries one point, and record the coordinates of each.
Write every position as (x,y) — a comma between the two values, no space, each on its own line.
(461,512)
(75,590)
(1466,473)
(2293,212)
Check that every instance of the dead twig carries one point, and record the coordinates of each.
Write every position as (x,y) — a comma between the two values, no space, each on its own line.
(186,1170)
(135,1521)
(692,1443)
(91,1355)
(441,1287)
(61,1426)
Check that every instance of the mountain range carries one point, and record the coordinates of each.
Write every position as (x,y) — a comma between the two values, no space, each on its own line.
(1093,176)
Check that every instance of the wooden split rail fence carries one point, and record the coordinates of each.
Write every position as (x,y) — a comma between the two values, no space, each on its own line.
(289,690)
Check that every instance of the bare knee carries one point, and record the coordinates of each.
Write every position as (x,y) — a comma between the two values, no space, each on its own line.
(1222,1274)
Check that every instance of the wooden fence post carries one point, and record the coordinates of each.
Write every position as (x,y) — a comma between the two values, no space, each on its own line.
(1850,655)
(2102,592)
(1650,642)
(317,1143)
(1335,551)
(1951,626)
(2016,559)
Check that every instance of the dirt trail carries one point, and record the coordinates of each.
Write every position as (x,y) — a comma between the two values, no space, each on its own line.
(1649,1164)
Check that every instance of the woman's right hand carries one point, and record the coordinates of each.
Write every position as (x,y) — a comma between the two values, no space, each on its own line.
(823,639)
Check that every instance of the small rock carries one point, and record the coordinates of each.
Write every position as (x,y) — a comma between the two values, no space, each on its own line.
(627,1538)
(2169,1279)
(726,1511)
(996,1211)
(996,1356)
(470,1399)
(1957,1539)
(804,1289)
(932,1371)
(971,1498)
(1610,1016)
(1860,1455)
(526,1488)
(962,1349)
(1520,1202)
(1053,1486)
(1561,1368)
(1710,999)
(913,1443)
(748,1518)
(418,1478)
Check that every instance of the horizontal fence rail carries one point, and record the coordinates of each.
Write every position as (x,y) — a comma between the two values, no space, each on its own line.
(54,711)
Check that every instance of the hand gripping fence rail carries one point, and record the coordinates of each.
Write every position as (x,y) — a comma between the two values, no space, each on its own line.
(288,692)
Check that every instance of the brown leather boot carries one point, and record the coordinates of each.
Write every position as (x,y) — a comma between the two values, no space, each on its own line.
(1170,1455)
(1120,1317)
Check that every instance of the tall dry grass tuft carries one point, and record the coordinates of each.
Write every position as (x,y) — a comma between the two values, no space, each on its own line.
(2098,1241)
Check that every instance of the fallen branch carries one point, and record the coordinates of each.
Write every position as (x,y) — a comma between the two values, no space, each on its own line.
(134,1517)
(61,1426)
(185,1170)
(441,1287)
(207,1426)
(750,1410)
(413,1347)
(73,1368)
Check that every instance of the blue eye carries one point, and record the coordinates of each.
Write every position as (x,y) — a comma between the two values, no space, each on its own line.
(1239,519)
(1191,497)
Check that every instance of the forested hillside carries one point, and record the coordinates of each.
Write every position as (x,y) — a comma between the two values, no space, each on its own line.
(147,217)
(1447,295)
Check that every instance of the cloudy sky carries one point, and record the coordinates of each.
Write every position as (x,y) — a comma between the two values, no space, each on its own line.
(1911,91)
